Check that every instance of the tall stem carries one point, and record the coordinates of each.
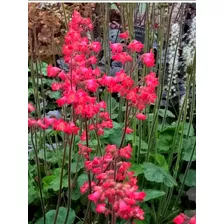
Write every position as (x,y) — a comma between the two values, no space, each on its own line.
(61,177)
(38,173)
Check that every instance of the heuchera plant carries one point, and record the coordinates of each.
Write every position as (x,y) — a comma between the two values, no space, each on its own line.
(110,186)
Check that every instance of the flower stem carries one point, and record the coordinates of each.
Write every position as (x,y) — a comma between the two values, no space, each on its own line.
(61,177)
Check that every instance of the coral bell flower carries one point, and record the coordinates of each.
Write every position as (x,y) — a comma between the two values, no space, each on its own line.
(95,196)
(100,208)
(148,59)
(193,220)
(128,130)
(92,85)
(140,116)
(136,46)
(116,48)
(96,46)
(124,35)
(31,108)
(151,80)
(126,152)
(122,57)
(52,71)
(179,219)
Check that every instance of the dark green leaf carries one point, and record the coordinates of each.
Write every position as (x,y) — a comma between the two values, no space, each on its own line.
(61,216)
(160,159)
(161,113)
(113,116)
(137,169)
(190,180)
(188,147)
(152,194)
(74,165)
(164,141)
(41,67)
(54,94)
(158,174)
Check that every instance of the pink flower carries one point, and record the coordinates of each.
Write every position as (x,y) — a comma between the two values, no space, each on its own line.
(136,46)
(122,205)
(61,101)
(116,48)
(148,59)
(179,219)
(139,196)
(96,46)
(126,152)
(128,130)
(100,208)
(31,108)
(55,86)
(140,116)
(95,196)
(92,85)
(193,220)
(52,71)
(124,35)
(123,57)
(151,79)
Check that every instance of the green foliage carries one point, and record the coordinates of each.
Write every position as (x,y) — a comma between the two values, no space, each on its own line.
(152,194)
(53,181)
(188,147)
(157,174)
(190,180)
(113,136)
(161,161)
(76,194)
(60,218)
(161,113)
(40,67)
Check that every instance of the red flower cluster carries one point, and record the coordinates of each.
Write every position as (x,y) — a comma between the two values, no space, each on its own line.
(115,189)
(138,97)
(182,219)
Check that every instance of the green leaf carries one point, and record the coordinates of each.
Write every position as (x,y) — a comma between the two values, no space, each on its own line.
(61,216)
(160,159)
(93,143)
(161,113)
(152,194)
(76,194)
(157,174)
(41,66)
(32,192)
(187,126)
(53,181)
(50,156)
(164,140)
(114,105)
(190,180)
(82,179)
(74,165)
(150,117)
(144,145)
(113,116)
(115,137)
(54,94)
(188,147)
(137,169)
(30,92)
